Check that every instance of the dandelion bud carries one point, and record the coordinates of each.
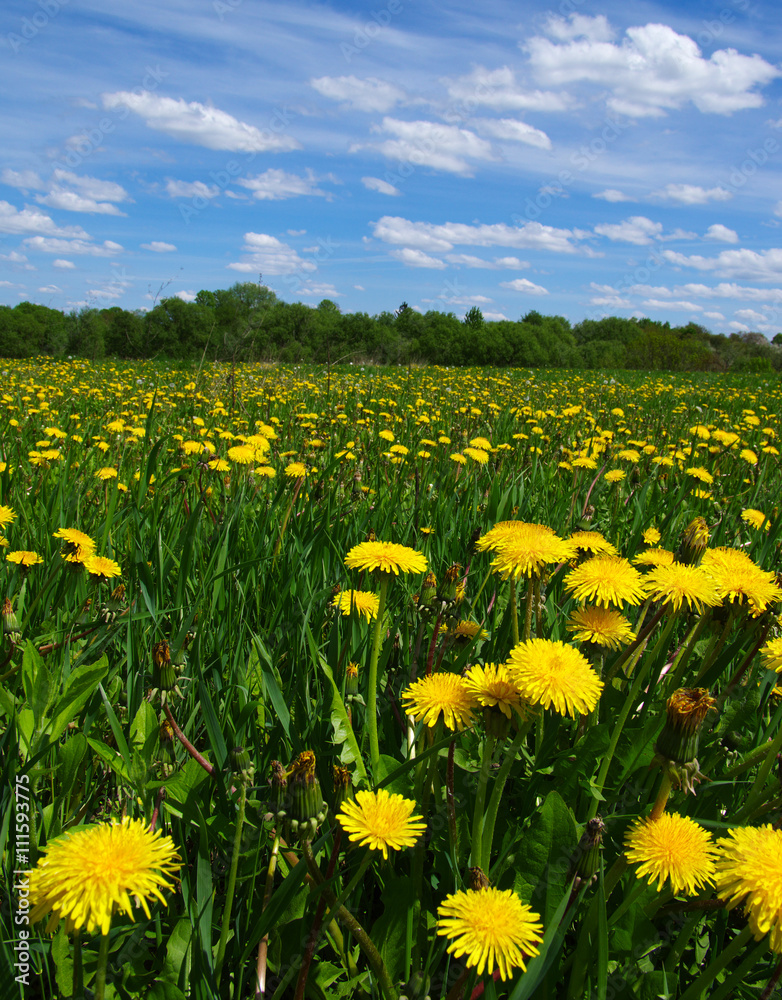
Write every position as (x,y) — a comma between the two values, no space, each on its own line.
(307,808)
(429,591)
(477,879)
(417,988)
(167,755)
(586,859)
(693,542)
(279,791)
(351,680)
(163,673)
(685,711)
(242,766)
(343,786)
(450,583)
(10,623)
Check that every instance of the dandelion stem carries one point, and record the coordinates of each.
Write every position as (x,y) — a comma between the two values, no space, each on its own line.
(722,961)
(514,611)
(496,795)
(99,987)
(186,742)
(263,946)
(480,799)
(374,747)
(229,895)
(527,613)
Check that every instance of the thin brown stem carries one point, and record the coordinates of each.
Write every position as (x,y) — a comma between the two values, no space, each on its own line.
(209,768)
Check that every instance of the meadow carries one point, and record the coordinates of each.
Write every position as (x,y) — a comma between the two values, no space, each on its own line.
(389,682)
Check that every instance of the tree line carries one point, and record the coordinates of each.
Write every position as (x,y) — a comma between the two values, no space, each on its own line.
(248,322)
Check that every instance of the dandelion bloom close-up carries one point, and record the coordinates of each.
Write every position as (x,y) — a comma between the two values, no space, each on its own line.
(7,516)
(673,848)
(679,584)
(88,875)
(386,557)
(360,602)
(379,820)
(24,558)
(749,872)
(600,626)
(553,674)
(441,694)
(491,686)
(771,653)
(490,929)
(78,546)
(606,580)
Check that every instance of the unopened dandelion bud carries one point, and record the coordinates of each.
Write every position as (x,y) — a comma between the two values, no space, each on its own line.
(694,541)
(163,673)
(477,879)
(351,680)
(167,755)
(11,627)
(587,857)
(496,722)
(450,583)
(242,766)
(279,791)
(417,988)
(429,591)
(343,786)
(307,807)
(685,711)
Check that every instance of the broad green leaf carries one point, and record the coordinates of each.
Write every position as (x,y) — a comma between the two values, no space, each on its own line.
(79,687)
(542,856)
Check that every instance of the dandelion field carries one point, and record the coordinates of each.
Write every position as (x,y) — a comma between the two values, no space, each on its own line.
(381,682)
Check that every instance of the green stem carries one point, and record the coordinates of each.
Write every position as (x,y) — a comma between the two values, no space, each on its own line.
(637,644)
(722,961)
(680,664)
(229,895)
(496,795)
(99,988)
(662,797)
(480,800)
(528,612)
(716,649)
(78,967)
(756,792)
(679,945)
(263,945)
(374,746)
(514,611)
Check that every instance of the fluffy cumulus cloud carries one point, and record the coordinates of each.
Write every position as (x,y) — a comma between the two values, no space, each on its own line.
(765,265)
(750,316)
(637,229)
(433,238)
(382,187)
(512,130)
(691,194)
(612,195)
(63,265)
(651,70)
(24,180)
(191,189)
(156,246)
(199,124)
(31,220)
(525,286)
(268,255)
(431,144)
(498,89)
(417,258)
(369,94)
(73,193)
(277,185)
(498,263)
(721,234)
(81,247)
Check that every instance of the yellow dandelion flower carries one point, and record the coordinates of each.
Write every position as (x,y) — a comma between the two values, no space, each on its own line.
(678,584)
(526,552)
(755,518)
(78,546)
(749,872)
(701,474)
(242,454)
(655,557)
(749,456)
(477,455)
(458,458)
(101,568)
(601,627)
(359,602)
(615,476)
(295,470)
(490,928)
(738,579)
(673,848)
(771,653)
(7,516)
(24,558)
(492,686)
(606,580)
(386,557)
(380,820)
(554,674)
(442,694)
(87,875)
(593,542)
(107,472)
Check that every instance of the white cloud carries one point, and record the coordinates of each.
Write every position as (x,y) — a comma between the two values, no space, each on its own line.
(724,290)
(63,265)
(318,289)
(721,233)
(72,193)
(45,244)
(382,187)
(714,315)
(157,247)
(611,194)
(523,285)
(25,180)
(185,296)
(90,187)
(613,301)
(498,89)
(653,69)
(435,238)
(637,229)
(417,258)
(430,144)
(268,255)
(738,327)
(72,201)
(671,304)
(32,220)
(191,189)
(691,194)
(765,265)
(778,208)
(750,315)
(14,257)
(512,130)
(369,94)
(276,185)
(199,124)
(596,29)
(54,289)
(469,260)
(494,317)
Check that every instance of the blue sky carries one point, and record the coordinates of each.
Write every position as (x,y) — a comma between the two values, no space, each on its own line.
(574,158)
